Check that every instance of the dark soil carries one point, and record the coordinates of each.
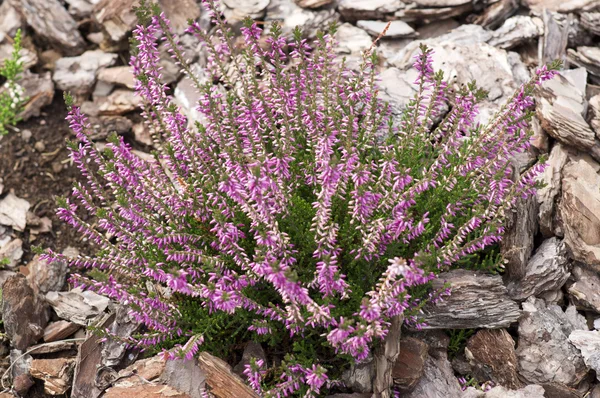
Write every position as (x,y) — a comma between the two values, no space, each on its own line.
(41,176)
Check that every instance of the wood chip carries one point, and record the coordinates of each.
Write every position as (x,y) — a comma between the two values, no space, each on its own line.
(222,381)
(51,22)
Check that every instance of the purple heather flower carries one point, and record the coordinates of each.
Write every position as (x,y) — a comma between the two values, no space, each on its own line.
(299,183)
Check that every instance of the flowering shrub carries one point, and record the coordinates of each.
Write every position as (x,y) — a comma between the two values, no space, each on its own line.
(11,97)
(298,212)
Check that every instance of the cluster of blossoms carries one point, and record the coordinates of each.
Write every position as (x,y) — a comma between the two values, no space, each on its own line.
(298,200)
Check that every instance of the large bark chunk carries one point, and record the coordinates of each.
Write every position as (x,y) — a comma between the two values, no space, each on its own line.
(591,22)
(77,306)
(56,374)
(39,92)
(585,289)
(560,107)
(51,21)
(587,57)
(580,211)
(353,10)
(517,243)
(89,359)
(13,211)
(118,18)
(410,364)
(492,356)
(186,376)
(556,35)
(222,382)
(477,300)
(546,196)
(547,270)
(496,13)
(545,354)
(395,30)
(438,380)
(78,74)
(24,315)
(517,30)
(588,342)
(563,6)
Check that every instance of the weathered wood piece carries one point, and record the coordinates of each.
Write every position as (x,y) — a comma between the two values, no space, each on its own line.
(59,330)
(10,20)
(438,380)
(77,306)
(116,17)
(591,21)
(185,376)
(497,13)
(554,43)
(580,211)
(586,57)
(236,10)
(584,289)
(353,10)
(588,342)
(144,390)
(546,195)
(396,29)
(548,269)
(428,15)
(477,300)
(89,359)
(562,6)
(517,243)
(39,92)
(492,357)
(51,22)
(13,211)
(410,364)
(384,358)
(560,106)
(544,352)
(222,382)
(123,326)
(313,3)
(12,252)
(24,315)
(121,75)
(516,31)
(28,58)
(56,374)
(290,15)
(78,74)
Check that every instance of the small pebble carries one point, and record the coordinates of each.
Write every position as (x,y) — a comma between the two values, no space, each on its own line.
(26,135)
(57,167)
(39,146)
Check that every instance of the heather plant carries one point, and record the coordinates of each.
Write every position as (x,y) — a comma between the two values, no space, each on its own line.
(11,98)
(298,212)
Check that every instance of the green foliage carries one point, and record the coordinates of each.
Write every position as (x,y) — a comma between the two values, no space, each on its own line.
(458,340)
(11,97)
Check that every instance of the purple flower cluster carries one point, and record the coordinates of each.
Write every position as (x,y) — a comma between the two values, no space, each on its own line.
(285,120)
